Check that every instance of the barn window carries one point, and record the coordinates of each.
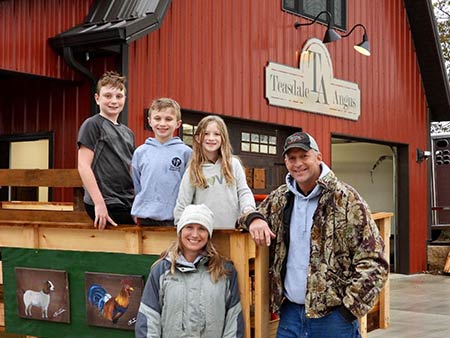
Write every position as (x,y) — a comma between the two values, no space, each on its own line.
(258,143)
(310,8)
(188,133)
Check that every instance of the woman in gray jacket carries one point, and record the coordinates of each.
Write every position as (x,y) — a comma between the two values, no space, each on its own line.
(192,291)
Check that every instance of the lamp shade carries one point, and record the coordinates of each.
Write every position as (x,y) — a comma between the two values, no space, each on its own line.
(363,47)
(330,36)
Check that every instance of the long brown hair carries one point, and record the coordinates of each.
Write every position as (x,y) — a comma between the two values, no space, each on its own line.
(198,157)
(216,262)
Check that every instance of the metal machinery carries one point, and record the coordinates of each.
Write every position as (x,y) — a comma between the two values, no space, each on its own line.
(440,146)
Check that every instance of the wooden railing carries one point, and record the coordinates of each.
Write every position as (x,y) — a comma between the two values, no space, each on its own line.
(73,230)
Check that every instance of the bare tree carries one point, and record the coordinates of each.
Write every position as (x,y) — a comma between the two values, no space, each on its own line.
(442,15)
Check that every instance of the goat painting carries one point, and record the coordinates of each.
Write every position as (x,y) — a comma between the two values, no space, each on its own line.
(40,299)
(43,294)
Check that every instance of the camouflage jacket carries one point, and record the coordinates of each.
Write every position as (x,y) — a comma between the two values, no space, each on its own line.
(347,265)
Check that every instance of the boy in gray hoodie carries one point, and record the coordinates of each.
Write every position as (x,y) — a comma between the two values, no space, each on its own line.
(158,166)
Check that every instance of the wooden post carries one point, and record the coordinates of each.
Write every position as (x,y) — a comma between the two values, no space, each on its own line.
(384,225)
(262,296)
(363,326)
(133,241)
(447,264)
(239,254)
(31,236)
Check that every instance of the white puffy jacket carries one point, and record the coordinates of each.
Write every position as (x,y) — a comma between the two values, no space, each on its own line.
(188,304)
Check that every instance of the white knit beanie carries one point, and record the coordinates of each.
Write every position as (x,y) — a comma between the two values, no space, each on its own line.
(199,214)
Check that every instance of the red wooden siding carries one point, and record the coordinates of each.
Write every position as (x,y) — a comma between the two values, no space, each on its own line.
(25,27)
(31,100)
(215,63)
(32,106)
(211,55)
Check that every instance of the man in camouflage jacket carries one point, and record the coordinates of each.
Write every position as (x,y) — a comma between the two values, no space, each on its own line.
(336,240)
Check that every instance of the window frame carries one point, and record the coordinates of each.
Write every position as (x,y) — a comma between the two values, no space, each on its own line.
(257,140)
(299,11)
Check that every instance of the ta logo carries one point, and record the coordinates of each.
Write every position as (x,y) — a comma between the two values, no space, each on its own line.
(176,164)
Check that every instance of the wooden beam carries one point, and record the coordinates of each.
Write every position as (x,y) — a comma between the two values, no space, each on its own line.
(45,216)
(40,178)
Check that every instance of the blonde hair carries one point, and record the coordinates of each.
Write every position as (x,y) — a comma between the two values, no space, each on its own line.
(216,262)
(163,103)
(113,79)
(198,157)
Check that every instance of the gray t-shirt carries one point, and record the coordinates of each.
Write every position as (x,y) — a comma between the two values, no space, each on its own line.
(113,146)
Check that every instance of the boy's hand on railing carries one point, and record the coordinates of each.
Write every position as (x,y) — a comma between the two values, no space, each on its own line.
(102,217)
(260,232)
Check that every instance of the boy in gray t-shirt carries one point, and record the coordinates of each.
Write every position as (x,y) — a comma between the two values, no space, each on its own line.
(105,149)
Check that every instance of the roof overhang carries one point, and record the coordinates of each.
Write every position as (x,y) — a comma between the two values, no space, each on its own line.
(431,61)
(112,23)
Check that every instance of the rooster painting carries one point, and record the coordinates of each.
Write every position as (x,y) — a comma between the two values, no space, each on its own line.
(110,307)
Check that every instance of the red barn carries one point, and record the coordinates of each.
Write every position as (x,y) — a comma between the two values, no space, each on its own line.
(249,62)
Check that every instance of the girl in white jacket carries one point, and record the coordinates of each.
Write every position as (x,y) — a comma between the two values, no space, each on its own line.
(215,177)
(192,291)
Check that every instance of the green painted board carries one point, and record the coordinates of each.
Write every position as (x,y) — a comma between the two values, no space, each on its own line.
(76,264)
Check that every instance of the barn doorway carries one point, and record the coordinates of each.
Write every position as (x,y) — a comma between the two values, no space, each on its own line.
(31,151)
(374,169)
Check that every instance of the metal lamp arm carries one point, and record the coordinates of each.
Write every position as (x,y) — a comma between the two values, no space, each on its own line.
(330,20)
(353,28)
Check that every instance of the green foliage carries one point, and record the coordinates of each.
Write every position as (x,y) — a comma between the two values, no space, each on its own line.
(440,127)
(442,14)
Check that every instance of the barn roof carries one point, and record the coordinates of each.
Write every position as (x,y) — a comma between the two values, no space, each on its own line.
(430,58)
(113,22)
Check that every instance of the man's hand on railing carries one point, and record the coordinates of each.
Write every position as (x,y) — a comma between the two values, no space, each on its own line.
(260,232)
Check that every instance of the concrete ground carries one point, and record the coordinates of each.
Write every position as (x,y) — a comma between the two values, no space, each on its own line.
(420,307)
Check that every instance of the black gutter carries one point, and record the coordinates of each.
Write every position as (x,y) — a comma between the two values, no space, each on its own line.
(72,62)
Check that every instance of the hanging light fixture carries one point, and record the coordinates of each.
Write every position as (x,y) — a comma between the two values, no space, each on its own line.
(330,35)
(363,47)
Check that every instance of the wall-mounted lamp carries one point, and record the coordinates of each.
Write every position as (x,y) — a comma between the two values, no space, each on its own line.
(331,35)
(422,155)
(363,47)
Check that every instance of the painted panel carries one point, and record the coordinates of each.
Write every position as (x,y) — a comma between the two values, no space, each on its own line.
(77,265)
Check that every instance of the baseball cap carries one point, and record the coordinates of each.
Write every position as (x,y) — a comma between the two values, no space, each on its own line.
(300,140)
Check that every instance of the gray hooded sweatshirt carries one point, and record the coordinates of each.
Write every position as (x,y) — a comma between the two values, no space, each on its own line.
(300,238)
(157,169)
